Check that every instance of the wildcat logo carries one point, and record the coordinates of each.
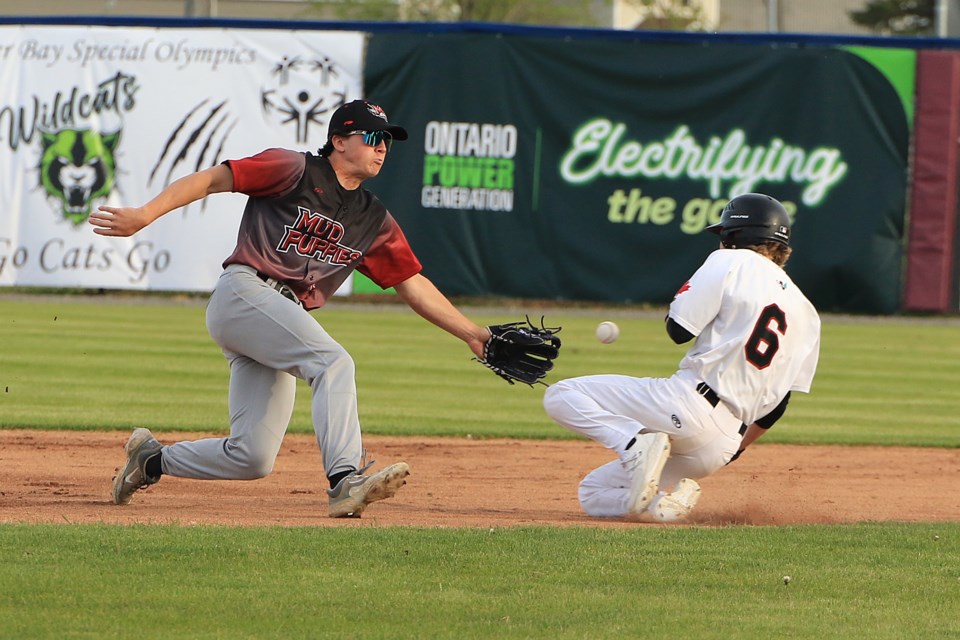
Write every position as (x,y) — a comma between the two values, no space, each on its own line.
(78,167)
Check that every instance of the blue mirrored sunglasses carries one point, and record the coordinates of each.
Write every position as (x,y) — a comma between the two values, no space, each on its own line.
(374,138)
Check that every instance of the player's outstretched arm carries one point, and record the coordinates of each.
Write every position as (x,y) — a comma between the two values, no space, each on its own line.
(753,433)
(126,221)
(762,425)
(423,297)
(750,436)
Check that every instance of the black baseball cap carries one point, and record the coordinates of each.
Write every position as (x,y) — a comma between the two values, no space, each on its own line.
(361,115)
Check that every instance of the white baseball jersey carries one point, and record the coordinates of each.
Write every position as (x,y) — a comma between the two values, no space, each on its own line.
(758,336)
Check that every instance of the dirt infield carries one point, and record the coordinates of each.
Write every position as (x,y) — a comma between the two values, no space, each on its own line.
(64,477)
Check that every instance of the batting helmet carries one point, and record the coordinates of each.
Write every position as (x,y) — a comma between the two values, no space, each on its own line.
(752,219)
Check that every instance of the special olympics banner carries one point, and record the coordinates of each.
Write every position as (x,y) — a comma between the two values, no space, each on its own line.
(93,115)
(587,168)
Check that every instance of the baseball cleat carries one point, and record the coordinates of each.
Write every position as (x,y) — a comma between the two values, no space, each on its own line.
(133,476)
(651,451)
(353,493)
(671,507)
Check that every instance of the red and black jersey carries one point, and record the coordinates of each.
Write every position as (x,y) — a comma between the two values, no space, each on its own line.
(303,228)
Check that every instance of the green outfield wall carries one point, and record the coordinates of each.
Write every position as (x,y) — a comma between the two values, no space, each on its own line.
(562,164)
(586,169)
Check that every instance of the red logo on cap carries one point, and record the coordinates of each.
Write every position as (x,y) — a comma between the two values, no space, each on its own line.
(376,110)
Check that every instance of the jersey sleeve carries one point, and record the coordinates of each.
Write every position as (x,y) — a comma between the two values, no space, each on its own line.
(269,174)
(390,260)
(698,300)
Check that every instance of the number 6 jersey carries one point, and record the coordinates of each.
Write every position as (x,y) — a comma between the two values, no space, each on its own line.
(758,336)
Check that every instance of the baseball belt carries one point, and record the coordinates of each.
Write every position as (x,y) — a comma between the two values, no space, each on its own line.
(711,396)
(283,289)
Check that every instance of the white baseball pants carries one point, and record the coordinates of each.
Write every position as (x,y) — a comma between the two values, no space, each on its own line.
(269,342)
(613,409)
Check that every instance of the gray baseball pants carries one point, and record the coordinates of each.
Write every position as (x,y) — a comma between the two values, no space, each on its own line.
(270,341)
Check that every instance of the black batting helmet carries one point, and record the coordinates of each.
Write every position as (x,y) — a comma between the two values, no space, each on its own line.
(752,219)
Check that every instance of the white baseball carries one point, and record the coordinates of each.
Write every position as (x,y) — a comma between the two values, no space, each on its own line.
(607,332)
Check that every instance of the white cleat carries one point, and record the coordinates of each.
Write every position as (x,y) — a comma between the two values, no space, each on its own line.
(650,453)
(671,507)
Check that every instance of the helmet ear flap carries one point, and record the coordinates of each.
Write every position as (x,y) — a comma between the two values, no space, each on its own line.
(728,238)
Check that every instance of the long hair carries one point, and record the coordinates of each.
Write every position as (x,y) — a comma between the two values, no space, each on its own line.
(774,251)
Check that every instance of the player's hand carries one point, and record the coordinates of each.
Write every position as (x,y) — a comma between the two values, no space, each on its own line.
(119,221)
(735,456)
(478,342)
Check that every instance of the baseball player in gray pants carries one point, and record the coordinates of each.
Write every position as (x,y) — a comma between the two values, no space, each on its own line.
(308,223)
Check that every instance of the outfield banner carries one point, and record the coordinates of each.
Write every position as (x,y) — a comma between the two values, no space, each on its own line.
(94,115)
(586,168)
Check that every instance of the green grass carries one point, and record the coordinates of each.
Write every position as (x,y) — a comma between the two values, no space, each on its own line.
(67,363)
(72,364)
(866,581)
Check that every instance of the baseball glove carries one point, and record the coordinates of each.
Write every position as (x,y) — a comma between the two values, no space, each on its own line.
(521,351)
